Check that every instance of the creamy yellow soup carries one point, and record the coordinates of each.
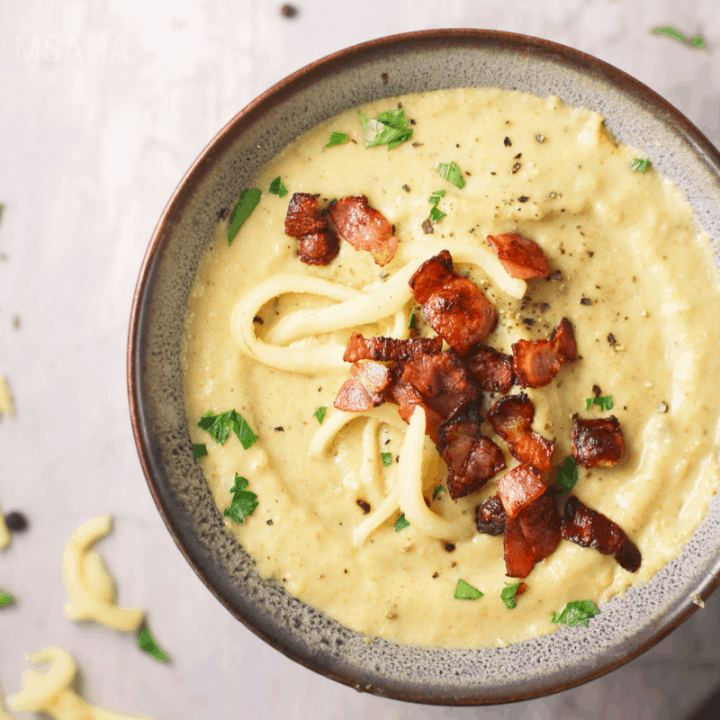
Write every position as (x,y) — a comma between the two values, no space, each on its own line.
(624,243)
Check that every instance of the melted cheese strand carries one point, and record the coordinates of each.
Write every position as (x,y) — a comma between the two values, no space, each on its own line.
(410,488)
(369,467)
(373,521)
(305,360)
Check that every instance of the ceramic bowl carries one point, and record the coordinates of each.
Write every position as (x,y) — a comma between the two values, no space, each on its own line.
(387,67)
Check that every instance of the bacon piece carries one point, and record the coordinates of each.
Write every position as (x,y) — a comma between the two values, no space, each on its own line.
(364,390)
(511,417)
(318,244)
(385,348)
(491,369)
(519,560)
(518,488)
(453,305)
(540,524)
(408,398)
(537,362)
(442,380)
(597,442)
(491,517)
(521,258)
(590,528)
(471,458)
(364,228)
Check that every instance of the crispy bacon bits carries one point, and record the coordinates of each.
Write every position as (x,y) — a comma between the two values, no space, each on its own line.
(384,348)
(491,517)
(511,417)
(537,362)
(518,488)
(318,244)
(453,305)
(364,228)
(521,258)
(364,390)
(471,458)
(491,369)
(590,528)
(597,442)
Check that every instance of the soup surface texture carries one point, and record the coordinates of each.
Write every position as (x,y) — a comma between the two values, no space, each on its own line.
(627,267)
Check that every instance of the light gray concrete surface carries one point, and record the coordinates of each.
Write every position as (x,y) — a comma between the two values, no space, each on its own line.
(103,107)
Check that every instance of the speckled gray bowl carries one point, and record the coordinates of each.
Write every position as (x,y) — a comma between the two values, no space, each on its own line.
(387,67)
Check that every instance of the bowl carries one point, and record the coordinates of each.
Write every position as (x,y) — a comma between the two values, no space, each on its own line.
(392,66)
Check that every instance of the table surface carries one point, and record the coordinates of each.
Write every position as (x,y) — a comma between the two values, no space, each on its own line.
(103,107)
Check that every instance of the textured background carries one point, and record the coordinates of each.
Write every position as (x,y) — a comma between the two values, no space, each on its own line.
(103,107)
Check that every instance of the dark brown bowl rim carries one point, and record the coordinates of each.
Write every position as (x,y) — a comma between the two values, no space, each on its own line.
(431,39)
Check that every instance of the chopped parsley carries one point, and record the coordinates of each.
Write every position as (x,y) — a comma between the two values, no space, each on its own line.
(219,427)
(452,173)
(401,523)
(5,599)
(389,128)
(277,187)
(337,138)
(435,213)
(411,323)
(438,489)
(148,644)
(567,474)
(697,41)
(243,503)
(465,591)
(199,450)
(320,414)
(604,403)
(245,205)
(508,594)
(640,165)
(386,459)
(576,613)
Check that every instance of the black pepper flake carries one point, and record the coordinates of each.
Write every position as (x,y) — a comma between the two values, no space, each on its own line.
(448,546)
(590,252)
(224,214)
(288,11)
(406,188)
(436,575)
(518,156)
(523,198)
(427,226)
(280,428)
(555,276)
(529,321)
(258,320)
(416,144)
(515,168)
(525,302)
(544,307)
(364,506)
(412,121)
(493,173)
(586,301)
(596,391)
(393,228)
(611,339)
(540,138)
(397,459)
(507,142)
(16,521)
(385,77)
(269,522)
(472,230)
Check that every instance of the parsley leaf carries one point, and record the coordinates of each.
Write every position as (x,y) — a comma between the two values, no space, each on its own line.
(277,187)
(401,523)
(411,324)
(199,450)
(337,138)
(219,427)
(243,503)
(245,205)
(452,173)
(508,594)
(604,403)
(434,199)
(465,591)
(386,459)
(5,599)
(320,414)
(640,165)
(567,474)
(438,489)
(436,215)
(389,128)
(576,613)
(148,644)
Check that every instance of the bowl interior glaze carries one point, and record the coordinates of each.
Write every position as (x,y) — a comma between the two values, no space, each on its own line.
(382,68)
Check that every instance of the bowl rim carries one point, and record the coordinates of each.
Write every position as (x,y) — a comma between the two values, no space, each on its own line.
(193,177)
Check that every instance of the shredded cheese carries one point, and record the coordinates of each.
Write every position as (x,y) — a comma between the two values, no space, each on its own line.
(6,401)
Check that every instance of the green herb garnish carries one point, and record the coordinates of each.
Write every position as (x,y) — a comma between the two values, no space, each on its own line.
(5,599)
(436,215)
(246,204)
(389,128)
(438,489)
(243,503)
(576,613)
(337,138)
(411,324)
(452,173)
(219,427)
(640,165)
(401,523)
(148,644)
(320,414)
(465,591)
(386,459)
(434,199)
(567,474)
(604,403)
(508,594)
(277,187)
(697,41)
(199,450)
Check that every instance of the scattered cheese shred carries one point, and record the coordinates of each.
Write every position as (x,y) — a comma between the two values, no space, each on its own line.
(4,532)
(6,400)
